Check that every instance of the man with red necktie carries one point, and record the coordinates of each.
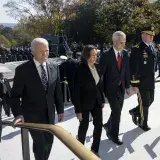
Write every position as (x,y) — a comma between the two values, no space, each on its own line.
(115,69)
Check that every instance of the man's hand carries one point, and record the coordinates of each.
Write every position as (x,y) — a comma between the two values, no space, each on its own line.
(79,116)
(18,120)
(135,89)
(60,117)
(128,91)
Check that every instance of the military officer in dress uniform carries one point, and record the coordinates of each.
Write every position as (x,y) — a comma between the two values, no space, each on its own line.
(142,60)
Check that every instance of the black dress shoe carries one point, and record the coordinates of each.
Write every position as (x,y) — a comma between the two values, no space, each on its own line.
(105,126)
(134,118)
(90,118)
(115,140)
(145,128)
(158,76)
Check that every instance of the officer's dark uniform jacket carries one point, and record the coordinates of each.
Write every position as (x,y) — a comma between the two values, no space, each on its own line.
(142,60)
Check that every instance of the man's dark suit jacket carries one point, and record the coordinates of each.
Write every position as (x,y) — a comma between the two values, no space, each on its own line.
(70,69)
(112,75)
(67,70)
(142,66)
(5,96)
(87,93)
(1,90)
(35,100)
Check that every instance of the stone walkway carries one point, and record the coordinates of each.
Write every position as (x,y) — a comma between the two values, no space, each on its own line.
(137,144)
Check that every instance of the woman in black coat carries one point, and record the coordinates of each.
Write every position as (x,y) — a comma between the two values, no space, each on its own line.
(89,96)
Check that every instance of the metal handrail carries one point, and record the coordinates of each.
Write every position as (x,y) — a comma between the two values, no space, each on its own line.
(66,138)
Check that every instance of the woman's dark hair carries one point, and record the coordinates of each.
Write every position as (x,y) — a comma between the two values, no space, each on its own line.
(86,53)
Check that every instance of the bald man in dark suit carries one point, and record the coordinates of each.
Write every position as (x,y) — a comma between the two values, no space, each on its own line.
(37,84)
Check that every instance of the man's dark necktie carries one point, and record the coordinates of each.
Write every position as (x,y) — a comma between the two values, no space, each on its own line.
(44,78)
(119,61)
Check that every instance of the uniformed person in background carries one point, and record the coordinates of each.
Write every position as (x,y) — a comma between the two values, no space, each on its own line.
(142,61)
(158,60)
(62,74)
(5,94)
(70,68)
(4,99)
(67,73)
(2,53)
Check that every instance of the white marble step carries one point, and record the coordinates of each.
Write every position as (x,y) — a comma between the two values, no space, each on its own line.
(134,138)
(146,145)
(140,154)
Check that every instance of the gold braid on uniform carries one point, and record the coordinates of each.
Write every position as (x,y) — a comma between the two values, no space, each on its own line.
(140,108)
(134,81)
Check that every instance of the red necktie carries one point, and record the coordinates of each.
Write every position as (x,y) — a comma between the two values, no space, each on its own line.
(119,61)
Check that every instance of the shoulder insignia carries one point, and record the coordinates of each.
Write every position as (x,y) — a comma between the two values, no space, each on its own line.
(136,46)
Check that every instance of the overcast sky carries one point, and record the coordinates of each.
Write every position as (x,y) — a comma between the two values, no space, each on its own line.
(3,15)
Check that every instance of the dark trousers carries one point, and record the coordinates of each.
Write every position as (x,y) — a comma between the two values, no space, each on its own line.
(159,69)
(0,122)
(67,94)
(116,105)
(147,97)
(42,144)
(6,105)
(97,122)
(42,141)
(71,92)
